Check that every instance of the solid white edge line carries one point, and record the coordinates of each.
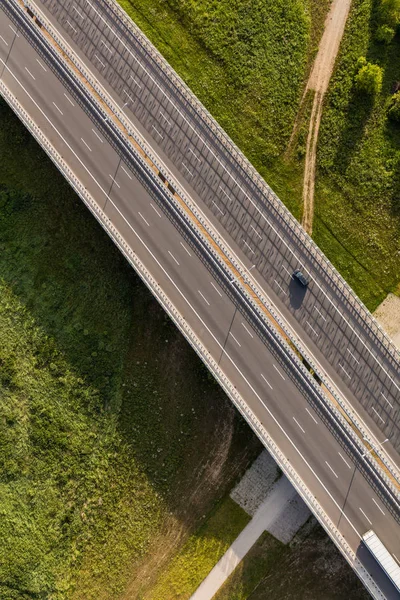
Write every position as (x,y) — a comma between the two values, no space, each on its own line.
(230,175)
(257,208)
(55,129)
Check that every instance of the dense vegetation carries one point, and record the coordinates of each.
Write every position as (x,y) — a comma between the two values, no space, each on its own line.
(103,406)
(358,191)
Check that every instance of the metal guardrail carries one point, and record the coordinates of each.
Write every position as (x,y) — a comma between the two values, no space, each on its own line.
(255,177)
(196,344)
(393,470)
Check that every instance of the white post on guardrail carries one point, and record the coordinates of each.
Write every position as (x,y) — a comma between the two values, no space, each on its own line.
(373,447)
(239,276)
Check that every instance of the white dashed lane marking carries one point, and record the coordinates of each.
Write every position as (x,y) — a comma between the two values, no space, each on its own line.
(248,330)
(142,217)
(312,416)
(376,504)
(344,460)
(298,424)
(331,469)
(216,289)
(155,210)
(113,180)
(230,333)
(173,257)
(370,522)
(278,371)
(204,298)
(88,147)
(266,381)
(28,71)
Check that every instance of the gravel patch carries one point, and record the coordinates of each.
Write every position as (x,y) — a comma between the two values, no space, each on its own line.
(288,523)
(388,316)
(253,488)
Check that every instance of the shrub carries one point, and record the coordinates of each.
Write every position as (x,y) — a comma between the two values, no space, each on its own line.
(369,77)
(384,34)
(394,108)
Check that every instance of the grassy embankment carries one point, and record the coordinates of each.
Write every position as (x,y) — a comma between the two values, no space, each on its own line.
(358,191)
(103,406)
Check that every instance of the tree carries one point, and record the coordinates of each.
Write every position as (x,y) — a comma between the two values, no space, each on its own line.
(389,12)
(369,77)
(394,107)
(385,34)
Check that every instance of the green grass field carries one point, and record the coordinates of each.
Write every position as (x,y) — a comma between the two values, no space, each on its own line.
(103,405)
(358,194)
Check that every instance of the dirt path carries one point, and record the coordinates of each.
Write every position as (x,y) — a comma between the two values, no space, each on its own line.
(318,81)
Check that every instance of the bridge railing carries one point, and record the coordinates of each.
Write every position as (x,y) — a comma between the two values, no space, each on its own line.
(196,344)
(139,140)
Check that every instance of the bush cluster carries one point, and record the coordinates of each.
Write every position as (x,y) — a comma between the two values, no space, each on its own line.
(369,77)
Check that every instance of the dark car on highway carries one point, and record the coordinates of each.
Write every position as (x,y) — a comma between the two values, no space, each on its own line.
(302,279)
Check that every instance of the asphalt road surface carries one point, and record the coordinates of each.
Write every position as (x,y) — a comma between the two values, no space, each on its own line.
(336,334)
(275,394)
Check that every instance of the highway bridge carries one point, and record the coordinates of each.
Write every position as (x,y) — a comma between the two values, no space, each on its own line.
(310,370)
